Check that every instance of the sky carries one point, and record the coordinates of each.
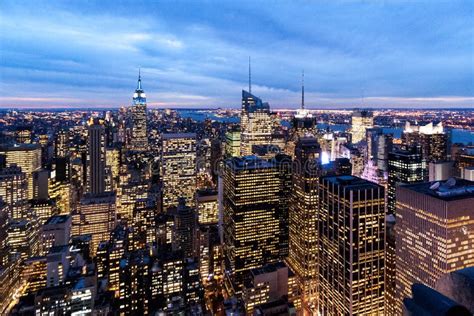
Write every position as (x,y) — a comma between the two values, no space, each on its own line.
(194,54)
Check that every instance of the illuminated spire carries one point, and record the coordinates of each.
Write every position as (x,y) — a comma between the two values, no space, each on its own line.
(250,77)
(139,85)
(302,90)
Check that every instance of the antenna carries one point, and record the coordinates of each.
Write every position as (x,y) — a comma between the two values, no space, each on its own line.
(302,90)
(250,77)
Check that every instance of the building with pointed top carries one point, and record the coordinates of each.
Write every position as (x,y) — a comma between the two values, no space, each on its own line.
(303,125)
(139,139)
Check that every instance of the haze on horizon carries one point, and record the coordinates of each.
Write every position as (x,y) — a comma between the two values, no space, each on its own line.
(195,54)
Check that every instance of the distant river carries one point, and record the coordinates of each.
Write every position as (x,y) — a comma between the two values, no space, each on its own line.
(457,135)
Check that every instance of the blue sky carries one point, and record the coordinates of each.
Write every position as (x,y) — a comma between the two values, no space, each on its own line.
(195,54)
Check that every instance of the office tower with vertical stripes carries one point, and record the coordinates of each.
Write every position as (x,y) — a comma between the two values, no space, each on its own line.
(351,239)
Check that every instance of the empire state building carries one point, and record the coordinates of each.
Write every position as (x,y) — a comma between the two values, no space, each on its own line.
(139,140)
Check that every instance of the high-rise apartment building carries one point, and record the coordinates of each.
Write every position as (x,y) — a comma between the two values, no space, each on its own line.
(405,165)
(27,157)
(303,227)
(434,232)
(178,168)
(95,157)
(251,188)
(361,120)
(351,238)
(139,138)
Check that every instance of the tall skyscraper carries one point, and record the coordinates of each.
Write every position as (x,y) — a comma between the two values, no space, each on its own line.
(405,165)
(27,157)
(255,123)
(14,191)
(351,238)
(303,124)
(178,168)
(432,139)
(434,232)
(95,157)
(379,145)
(185,222)
(251,188)
(232,144)
(303,227)
(361,120)
(139,140)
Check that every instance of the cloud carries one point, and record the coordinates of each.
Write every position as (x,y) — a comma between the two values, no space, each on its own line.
(195,54)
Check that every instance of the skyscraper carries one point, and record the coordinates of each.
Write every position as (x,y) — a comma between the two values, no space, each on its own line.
(27,157)
(250,215)
(351,238)
(433,232)
(13,191)
(303,228)
(255,123)
(95,216)
(361,120)
(185,222)
(95,157)
(139,139)
(178,168)
(405,165)
(432,139)
(303,124)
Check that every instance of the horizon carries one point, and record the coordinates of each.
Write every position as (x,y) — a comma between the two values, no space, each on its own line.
(193,55)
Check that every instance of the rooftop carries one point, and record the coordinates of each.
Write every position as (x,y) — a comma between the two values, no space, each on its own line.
(451,189)
(351,182)
(57,219)
(248,162)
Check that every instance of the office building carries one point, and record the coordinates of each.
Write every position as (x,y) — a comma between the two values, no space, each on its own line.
(232,144)
(55,232)
(139,138)
(433,232)
(96,157)
(27,157)
(303,227)
(178,168)
(405,165)
(207,207)
(251,221)
(14,191)
(95,216)
(361,121)
(352,244)
(303,125)
(185,228)
(256,123)
(432,139)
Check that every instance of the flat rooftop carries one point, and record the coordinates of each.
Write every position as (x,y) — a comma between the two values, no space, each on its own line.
(449,190)
(57,219)
(248,162)
(351,182)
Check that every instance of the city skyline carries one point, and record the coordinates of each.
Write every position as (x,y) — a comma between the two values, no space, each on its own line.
(194,55)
